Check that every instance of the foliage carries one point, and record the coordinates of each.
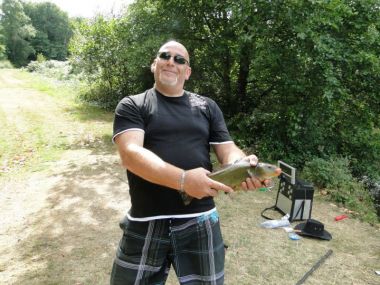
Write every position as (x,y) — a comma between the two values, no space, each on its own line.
(94,52)
(295,79)
(335,176)
(328,173)
(2,44)
(40,58)
(61,70)
(373,187)
(29,29)
(53,29)
(18,31)
(321,103)
(115,66)
(2,52)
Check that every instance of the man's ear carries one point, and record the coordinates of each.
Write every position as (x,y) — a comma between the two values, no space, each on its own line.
(153,66)
(188,73)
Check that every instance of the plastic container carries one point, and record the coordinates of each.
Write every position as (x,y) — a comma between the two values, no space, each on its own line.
(271,224)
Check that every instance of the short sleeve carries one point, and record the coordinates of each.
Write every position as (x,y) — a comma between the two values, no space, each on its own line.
(128,116)
(218,130)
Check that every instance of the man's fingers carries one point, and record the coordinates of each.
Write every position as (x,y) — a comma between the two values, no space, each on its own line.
(252,183)
(249,183)
(253,160)
(268,183)
(221,187)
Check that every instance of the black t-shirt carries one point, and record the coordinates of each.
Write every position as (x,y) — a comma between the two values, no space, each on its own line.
(179,130)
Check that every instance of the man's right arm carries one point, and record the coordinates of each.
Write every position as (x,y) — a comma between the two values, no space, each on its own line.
(149,166)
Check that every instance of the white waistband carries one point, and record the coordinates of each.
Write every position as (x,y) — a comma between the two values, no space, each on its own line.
(193,215)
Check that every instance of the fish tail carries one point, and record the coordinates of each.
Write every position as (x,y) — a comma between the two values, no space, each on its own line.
(186,198)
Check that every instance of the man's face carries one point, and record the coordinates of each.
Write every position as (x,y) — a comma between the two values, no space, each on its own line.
(167,72)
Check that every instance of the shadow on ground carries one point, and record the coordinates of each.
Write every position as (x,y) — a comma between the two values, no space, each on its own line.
(73,238)
(85,112)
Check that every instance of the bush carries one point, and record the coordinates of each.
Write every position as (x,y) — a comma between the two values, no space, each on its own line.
(334,175)
(3,54)
(40,58)
(60,70)
(98,94)
(373,187)
(328,173)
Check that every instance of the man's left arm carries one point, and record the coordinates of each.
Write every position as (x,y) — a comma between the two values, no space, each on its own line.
(228,153)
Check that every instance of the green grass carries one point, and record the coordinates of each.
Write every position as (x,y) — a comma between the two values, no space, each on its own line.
(56,89)
(7,148)
(39,134)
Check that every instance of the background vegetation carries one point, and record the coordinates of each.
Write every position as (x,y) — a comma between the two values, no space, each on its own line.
(297,80)
(29,29)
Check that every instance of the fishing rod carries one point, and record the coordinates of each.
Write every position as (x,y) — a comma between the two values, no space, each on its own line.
(315,266)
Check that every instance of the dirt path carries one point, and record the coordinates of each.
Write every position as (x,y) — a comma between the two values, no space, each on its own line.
(55,223)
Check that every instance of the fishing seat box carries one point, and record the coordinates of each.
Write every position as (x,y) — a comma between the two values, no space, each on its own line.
(294,197)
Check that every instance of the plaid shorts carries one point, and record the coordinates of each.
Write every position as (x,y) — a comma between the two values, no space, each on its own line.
(194,246)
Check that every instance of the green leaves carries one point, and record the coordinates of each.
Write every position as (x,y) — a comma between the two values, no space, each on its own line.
(295,79)
(53,29)
(17,30)
(334,175)
(32,28)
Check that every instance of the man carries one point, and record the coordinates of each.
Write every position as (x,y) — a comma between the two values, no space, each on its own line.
(163,137)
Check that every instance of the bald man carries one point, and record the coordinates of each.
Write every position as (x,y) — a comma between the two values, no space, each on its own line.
(164,136)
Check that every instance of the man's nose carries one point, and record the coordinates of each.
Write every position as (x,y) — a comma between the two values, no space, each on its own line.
(171,60)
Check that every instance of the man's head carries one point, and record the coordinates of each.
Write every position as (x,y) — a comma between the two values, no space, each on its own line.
(171,68)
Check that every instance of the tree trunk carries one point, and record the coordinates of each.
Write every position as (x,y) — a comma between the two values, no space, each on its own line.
(241,92)
(230,106)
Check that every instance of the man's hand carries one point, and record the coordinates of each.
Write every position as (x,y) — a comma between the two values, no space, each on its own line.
(199,185)
(252,183)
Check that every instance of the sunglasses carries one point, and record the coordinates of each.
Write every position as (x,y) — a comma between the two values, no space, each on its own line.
(177,58)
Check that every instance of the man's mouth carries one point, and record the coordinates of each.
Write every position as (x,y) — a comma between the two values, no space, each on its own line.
(169,72)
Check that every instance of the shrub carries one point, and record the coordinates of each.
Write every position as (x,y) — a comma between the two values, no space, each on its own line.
(334,175)
(3,55)
(98,94)
(328,173)
(33,66)
(60,70)
(373,186)
(40,58)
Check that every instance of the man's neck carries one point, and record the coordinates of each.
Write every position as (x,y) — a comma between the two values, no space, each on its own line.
(168,91)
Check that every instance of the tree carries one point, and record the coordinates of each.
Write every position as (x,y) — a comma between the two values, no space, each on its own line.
(18,31)
(53,29)
(295,79)
(2,45)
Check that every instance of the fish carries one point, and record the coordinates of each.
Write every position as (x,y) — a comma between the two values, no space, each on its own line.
(233,175)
